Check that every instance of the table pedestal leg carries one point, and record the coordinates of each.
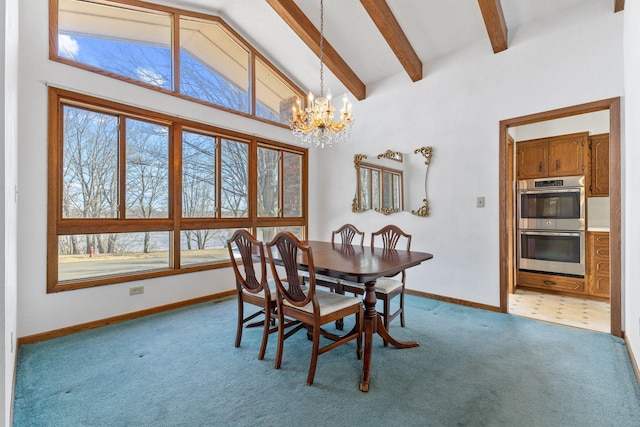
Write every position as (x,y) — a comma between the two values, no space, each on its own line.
(373,323)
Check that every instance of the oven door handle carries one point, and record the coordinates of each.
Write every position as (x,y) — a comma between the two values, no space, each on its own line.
(551,233)
(553,190)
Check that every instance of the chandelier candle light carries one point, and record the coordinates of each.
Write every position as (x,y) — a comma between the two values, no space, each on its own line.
(314,124)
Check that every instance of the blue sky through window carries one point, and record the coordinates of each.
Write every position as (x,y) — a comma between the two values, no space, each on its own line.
(152,65)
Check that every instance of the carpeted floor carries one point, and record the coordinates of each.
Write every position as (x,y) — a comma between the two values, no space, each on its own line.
(473,368)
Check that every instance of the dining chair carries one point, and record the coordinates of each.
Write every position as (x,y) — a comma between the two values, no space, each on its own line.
(314,308)
(388,288)
(251,289)
(347,233)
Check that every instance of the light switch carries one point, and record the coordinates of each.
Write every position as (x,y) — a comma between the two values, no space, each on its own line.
(480,202)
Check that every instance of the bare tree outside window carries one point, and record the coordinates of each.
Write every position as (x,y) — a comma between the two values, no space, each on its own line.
(198,185)
(235,179)
(268,182)
(147,176)
(90,174)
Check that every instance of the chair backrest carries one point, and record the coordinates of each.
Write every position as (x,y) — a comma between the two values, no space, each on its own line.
(287,246)
(390,236)
(248,247)
(347,232)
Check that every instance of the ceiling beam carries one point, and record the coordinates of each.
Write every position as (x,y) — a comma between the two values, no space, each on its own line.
(302,26)
(494,21)
(618,6)
(388,26)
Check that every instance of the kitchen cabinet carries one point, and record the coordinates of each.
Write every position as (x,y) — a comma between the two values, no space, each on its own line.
(563,155)
(550,282)
(599,165)
(532,159)
(598,264)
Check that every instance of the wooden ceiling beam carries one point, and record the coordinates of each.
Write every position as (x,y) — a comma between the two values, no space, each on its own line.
(388,26)
(302,26)
(618,6)
(494,21)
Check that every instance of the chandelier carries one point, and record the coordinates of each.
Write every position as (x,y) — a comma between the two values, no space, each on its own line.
(314,124)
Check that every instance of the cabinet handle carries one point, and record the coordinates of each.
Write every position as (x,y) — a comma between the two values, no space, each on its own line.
(549,282)
(557,164)
(540,167)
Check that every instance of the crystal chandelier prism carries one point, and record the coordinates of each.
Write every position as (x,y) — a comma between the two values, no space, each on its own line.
(315,125)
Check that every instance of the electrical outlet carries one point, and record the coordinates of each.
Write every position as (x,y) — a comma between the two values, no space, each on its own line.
(480,202)
(136,290)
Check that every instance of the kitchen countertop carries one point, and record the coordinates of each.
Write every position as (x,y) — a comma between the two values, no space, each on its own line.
(601,229)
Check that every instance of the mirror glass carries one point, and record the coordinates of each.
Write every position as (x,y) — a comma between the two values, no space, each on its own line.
(392,182)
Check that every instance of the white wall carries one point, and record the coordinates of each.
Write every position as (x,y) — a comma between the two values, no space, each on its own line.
(571,58)
(37,310)
(8,209)
(631,174)
(594,123)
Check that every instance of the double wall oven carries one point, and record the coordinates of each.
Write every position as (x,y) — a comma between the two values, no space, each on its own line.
(551,225)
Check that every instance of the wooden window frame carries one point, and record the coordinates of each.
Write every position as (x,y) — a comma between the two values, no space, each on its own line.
(176,14)
(57,225)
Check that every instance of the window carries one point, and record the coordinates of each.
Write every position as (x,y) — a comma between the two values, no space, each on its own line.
(131,42)
(136,194)
(214,67)
(209,62)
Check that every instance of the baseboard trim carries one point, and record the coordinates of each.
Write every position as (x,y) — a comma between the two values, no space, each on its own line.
(636,371)
(30,339)
(453,300)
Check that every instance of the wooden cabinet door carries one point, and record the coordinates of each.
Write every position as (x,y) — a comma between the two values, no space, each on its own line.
(532,159)
(567,155)
(598,270)
(599,150)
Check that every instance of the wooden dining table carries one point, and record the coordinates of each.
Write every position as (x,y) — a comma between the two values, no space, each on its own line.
(364,265)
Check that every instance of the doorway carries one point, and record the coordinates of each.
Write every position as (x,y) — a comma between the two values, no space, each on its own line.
(507,266)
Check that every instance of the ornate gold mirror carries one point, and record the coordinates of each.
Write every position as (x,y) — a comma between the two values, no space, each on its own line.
(392,182)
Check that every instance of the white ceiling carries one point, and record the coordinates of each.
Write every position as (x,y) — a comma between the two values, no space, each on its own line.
(434,28)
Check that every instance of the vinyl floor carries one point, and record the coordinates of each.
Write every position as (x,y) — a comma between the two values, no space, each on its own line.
(560,309)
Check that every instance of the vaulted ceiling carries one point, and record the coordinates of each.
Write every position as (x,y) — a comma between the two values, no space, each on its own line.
(369,40)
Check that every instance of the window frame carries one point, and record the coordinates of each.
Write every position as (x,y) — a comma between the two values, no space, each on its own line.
(176,14)
(57,225)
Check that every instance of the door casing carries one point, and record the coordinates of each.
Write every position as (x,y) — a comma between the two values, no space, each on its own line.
(507,269)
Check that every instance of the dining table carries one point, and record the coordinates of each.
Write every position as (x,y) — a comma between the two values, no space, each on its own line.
(363,265)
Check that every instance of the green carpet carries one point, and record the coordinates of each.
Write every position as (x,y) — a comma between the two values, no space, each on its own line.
(473,368)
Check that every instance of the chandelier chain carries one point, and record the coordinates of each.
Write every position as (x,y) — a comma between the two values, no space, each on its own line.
(321,48)
(314,122)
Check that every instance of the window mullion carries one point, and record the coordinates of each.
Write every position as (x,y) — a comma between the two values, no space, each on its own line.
(122,167)
(280,184)
(252,83)
(175,51)
(218,177)
(175,192)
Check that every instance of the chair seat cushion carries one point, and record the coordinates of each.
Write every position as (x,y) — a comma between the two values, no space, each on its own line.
(386,285)
(330,302)
(272,290)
